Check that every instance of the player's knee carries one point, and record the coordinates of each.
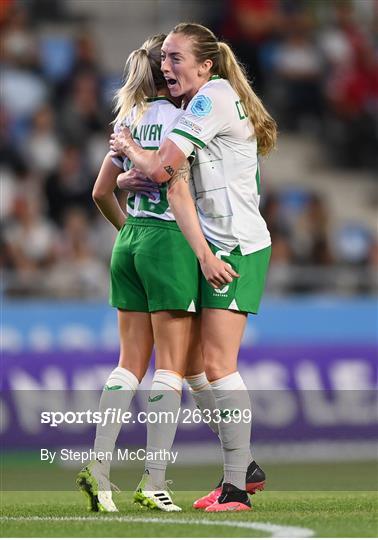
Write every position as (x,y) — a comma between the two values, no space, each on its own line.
(195,364)
(215,368)
(139,370)
(215,372)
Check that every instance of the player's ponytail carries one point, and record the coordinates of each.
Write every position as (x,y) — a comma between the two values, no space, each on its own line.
(143,79)
(225,64)
(264,125)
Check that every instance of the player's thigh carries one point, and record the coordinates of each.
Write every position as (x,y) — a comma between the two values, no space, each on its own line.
(136,341)
(168,270)
(126,288)
(172,332)
(221,334)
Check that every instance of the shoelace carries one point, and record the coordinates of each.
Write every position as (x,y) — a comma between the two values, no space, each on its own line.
(114,488)
(167,484)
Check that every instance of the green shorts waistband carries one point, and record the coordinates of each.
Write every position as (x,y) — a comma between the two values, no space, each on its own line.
(152,222)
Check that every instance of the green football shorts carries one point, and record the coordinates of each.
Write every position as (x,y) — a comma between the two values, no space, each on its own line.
(153,268)
(245,292)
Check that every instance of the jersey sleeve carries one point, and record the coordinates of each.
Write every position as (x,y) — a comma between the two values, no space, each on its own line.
(116,160)
(121,162)
(170,118)
(170,121)
(204,118)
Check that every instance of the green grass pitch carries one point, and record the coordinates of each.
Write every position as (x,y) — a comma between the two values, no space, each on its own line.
(63,514)
(314,499)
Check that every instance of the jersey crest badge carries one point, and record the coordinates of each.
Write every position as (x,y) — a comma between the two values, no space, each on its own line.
(201,105)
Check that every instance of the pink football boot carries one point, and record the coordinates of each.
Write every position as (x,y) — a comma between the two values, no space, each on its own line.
(207,500)
(255,481)
(231,499)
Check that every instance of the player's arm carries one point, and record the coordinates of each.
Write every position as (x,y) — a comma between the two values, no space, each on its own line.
(104,196)
(216,271)
(159,165)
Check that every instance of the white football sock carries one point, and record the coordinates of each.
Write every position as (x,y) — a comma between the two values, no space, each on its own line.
(203,397)
(118,393)
(165,397)
(230,393)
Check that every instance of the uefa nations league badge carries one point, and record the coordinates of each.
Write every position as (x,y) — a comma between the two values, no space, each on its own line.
(201,105)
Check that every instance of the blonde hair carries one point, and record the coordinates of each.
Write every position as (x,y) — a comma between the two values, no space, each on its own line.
(143,79)
(225,64)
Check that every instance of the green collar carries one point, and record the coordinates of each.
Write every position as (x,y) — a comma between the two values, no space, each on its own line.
(214,77)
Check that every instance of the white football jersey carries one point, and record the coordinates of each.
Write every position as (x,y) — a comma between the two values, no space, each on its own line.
(155,124)
(226,171)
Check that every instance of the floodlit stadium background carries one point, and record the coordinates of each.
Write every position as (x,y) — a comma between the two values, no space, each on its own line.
(314,65)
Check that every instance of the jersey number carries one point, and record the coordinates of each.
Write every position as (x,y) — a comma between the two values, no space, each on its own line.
(156,206)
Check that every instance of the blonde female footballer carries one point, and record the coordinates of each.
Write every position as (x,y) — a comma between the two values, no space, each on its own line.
(154,286)
(228,126)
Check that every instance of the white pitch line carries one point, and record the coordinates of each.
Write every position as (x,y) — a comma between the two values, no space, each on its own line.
(277,531)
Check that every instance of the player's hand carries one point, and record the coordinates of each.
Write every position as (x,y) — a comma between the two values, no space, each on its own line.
(136,182)
(119,142)
(217,272)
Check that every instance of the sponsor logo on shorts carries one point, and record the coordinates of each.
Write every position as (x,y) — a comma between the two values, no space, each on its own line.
(224,290)
(221,292)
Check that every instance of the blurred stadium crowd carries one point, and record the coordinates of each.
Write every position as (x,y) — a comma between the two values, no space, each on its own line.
(314,64)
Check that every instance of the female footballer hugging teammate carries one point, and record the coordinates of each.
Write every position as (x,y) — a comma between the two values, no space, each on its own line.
(227,125)
(154,286)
